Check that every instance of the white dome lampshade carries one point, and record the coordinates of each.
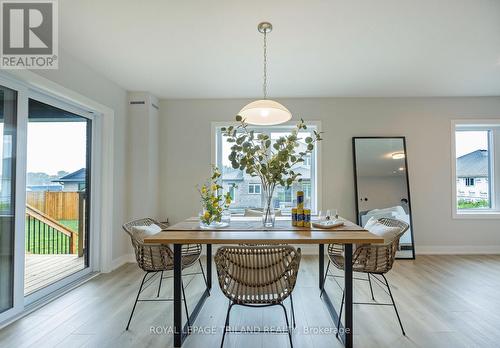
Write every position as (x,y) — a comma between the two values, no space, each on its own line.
(265,112)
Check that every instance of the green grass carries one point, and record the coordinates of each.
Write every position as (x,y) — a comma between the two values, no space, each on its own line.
(71,224)
(463,204)
(46,241)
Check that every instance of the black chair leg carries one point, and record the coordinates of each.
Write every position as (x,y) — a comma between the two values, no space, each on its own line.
(287,325)
(185,304)
(371,288)
(204,277)
(226,323)
(324,279)
(394,304)
(159,286)
(340,314)
(293,311)
(137,298)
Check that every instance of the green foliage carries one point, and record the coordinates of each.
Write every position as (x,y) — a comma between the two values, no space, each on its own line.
(212,201)
(463,204)
(48,243)
(272,163)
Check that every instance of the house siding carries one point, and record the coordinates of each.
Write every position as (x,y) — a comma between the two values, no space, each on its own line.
(477,192)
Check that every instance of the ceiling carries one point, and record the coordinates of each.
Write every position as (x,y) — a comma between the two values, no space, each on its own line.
(374,157)
(318,48)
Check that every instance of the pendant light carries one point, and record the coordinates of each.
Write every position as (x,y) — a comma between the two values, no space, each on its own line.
(265,112)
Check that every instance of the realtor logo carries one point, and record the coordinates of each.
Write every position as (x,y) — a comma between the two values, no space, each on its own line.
(29,34)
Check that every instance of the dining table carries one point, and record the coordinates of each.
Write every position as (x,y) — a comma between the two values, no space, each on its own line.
(248,230)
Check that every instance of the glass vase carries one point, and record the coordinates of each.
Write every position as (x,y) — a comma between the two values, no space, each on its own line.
(268,212)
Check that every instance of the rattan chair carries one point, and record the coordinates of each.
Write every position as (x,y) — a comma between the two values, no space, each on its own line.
(257,276)
(374,260)
(155,259)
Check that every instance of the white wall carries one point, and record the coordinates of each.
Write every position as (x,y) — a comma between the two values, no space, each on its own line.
(381,191)
(185,156)
(76,76)
(143,156)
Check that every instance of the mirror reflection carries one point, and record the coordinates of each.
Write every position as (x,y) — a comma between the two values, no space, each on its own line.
(382,184)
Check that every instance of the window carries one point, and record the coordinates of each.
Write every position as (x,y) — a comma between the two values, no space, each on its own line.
(232,191)
(307,160)
(474,167)
(254,189)
(285,196)
(469,181)
(249,190)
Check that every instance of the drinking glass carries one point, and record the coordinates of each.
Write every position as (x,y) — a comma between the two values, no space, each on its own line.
(322,216)
(331,214)
(226,216)
(334,214)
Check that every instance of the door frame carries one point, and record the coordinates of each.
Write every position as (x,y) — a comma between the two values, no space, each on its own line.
(20,202)
(94,168)
(27,84)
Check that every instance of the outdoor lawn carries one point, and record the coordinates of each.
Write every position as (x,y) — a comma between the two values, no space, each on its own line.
(463,204)
(47,242)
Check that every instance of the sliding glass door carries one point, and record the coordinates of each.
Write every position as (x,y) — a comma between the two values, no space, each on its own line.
(57,195)
(46,194)
(8,129)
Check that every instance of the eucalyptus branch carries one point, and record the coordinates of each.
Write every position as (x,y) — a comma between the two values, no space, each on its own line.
(272,164)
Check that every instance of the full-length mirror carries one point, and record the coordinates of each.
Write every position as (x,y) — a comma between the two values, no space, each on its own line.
(382,189)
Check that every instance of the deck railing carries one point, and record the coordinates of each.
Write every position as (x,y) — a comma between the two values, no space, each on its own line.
(44,235)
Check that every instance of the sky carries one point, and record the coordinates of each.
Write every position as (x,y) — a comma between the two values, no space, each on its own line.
(469,141)
(55,146)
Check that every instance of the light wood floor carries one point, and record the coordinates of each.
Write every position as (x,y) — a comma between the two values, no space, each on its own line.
(444,301)
(42,270)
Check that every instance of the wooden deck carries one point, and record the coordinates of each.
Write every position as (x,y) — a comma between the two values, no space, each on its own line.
(42,270)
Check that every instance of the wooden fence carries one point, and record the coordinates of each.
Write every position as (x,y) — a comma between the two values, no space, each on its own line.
(57,205)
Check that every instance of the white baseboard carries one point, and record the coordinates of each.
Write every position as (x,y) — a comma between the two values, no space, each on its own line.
(120,261)
(457,249)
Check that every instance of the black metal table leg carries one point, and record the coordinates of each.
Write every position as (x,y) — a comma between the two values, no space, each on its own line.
(177,296)
(321,265)
(324,294)
(209,266)
(348,295)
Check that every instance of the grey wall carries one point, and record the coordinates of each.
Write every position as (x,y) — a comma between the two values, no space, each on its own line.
(185,154)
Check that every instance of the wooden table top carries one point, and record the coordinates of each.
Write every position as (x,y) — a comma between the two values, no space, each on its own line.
(250,230)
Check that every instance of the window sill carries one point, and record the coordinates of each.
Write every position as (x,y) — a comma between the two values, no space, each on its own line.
(477,215)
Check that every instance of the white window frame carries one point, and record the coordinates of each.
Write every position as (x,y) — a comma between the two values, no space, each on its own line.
(492,125)
(316,174)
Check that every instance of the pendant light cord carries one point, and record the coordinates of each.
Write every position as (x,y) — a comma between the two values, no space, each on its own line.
(264,86)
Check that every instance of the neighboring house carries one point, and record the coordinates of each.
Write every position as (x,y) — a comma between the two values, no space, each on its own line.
(247,192)
(50,187)
(472,176)
(73,182)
